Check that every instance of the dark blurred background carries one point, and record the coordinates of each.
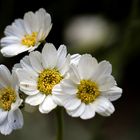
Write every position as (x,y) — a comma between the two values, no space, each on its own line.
(108,29)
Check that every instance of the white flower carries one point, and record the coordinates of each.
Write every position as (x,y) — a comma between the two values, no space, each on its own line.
(90,88)
(10,115)
(41,74)
(89,32)
(27,33)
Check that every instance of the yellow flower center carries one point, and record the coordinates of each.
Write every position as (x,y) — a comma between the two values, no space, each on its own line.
(29,40)
(87,91)
(47,79)
(7,97)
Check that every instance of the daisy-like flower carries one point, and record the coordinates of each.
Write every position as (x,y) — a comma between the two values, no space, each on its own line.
(41,74)
(26,34)
(10,115)
(90,88)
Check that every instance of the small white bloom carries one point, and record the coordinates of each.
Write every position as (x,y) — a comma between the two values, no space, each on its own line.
(85,33)
(27,33)
(10,115)
(90,88)
(41,74)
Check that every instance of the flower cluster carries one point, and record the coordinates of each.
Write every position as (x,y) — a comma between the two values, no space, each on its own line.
(52,77)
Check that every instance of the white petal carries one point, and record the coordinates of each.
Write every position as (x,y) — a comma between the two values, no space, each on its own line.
(78,111)
(19,27)
(75,59)
(65,67)
(62,51)
(32,48)
(47,31)
(72,103)
(31,21)
(106,82)
(58,95)
(3,115)
(30,93)
(69,90)
(47,105)
(57,89)
(44,23)
(16,105)
(69,87)
(29,87)
(35,99)
(59,99)
(49,56)
(47,24)
(25,63)
(86,66)
(25,75)
(43,33)
(9,40)
(5,128)
(103,68)
(74,74)
(40,14)
(5,76)
(16,66)
(113,94)
(61,56)
(103,106)
(16,29)
(28,22)
(88,113)
(35,59)
(13,50)
(15,119)
(15,80)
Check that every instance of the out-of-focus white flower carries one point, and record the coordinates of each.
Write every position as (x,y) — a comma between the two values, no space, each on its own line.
(26,34)
(90,88)
(10,115)
(40,75)
(88,33)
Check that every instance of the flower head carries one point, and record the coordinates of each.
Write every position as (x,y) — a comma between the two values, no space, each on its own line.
(89,88)
(10,115)
(41,75)
(26,34)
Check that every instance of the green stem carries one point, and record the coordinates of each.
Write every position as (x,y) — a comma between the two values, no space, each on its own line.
(59,123)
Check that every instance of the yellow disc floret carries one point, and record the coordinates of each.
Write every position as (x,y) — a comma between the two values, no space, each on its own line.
(48,79)
(7,97)
(87,91)
(29,39)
